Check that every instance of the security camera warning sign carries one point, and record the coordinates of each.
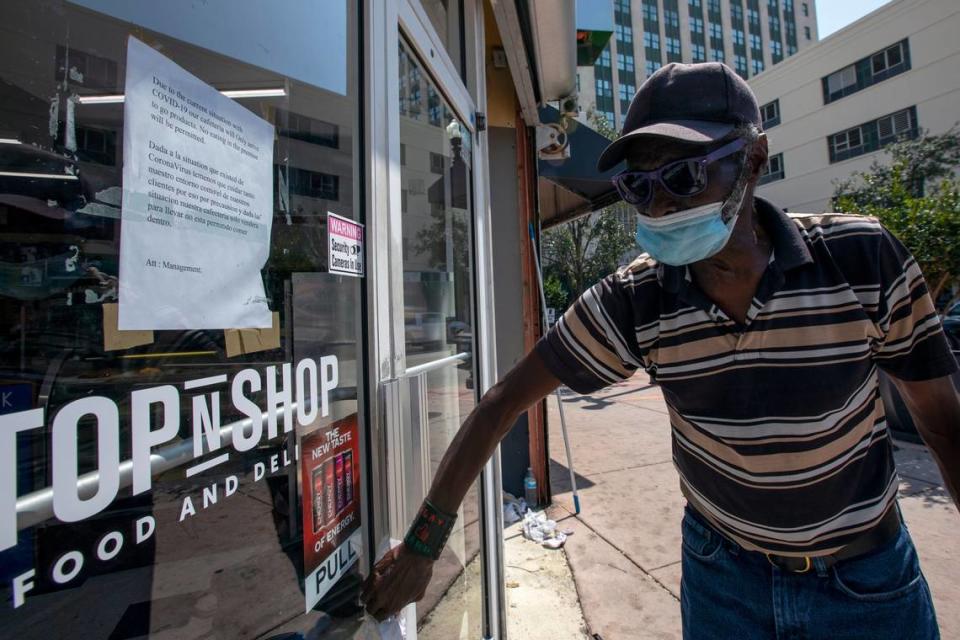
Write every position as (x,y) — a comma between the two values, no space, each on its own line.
(331,506)
(345,245)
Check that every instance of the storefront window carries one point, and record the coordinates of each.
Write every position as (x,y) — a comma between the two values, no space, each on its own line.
(181,466)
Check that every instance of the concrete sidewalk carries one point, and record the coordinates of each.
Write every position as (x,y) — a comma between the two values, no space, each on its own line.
(625,554)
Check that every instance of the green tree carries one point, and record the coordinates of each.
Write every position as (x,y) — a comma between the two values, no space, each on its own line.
(917,196)
(581,252)
(600,124)
(554,292)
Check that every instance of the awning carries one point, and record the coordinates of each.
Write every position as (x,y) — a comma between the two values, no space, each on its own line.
(573,187)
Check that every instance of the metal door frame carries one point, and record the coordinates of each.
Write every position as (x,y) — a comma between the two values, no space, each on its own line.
(384,21)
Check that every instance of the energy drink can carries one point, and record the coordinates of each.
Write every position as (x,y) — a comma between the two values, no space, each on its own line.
(329,490)
(348,475)
(341,493)
(318,507)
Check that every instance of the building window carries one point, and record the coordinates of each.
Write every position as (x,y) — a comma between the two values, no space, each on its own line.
(625,62)
(770,114)
(791,35)
(651,66)
(699,52)
(774,169)
(736,14)
(753,17)
(806,9)
(673,47)
(868,71)
(313,184)
(651,40)
(85,69)
(840,81)
(873,135)
(696,25)
(755,42)
(774,23)
(806,32)
(888,60)
(713,5)
(436,163)
(650,11)
(738,37)
(716,31)
(776,51)
(626,95)
(301,127)
(696,4)
(624,34)
(671,18)
(434,107)
(97,145)
(740,65)
(717,55)
(757,65)
(604,59)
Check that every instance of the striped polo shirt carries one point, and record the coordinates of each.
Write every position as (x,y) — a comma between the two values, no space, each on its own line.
(778,429)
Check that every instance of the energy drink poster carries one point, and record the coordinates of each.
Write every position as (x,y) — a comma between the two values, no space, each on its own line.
(330,460)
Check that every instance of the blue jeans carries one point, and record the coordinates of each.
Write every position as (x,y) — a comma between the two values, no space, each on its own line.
(729,593)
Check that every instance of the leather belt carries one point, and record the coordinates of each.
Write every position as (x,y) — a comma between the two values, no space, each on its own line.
(881,533)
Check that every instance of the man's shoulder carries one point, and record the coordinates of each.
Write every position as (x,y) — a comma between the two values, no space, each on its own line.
(851,242)
(641,271)
(836,226)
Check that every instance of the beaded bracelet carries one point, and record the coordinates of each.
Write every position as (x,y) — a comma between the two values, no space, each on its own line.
(430,530)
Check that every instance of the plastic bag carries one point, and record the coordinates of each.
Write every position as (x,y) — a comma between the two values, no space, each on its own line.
(539,529)
(394,627)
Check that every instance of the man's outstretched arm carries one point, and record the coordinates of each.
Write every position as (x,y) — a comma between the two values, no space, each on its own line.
(935,408)
(401,576)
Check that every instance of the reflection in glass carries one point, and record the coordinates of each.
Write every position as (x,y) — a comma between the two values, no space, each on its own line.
(234,568)
(446,16)
(438,300)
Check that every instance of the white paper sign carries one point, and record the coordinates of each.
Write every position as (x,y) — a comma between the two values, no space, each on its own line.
(345,243)
(197,202)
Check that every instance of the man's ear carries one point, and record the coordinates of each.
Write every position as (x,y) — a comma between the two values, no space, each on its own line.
(759,154)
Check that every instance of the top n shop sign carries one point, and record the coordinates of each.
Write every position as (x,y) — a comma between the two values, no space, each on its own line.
(274,401)
(345,243)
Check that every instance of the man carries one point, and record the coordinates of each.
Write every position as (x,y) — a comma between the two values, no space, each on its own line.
(765,332)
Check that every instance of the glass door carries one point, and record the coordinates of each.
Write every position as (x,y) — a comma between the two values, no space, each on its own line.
(426,297)
(436,168)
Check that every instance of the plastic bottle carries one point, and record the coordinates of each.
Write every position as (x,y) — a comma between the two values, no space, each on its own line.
(530,488)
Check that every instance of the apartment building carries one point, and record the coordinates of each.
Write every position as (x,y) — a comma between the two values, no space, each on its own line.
(830,110)
(748,35)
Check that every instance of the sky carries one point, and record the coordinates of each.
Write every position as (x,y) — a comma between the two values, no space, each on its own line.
(833,15)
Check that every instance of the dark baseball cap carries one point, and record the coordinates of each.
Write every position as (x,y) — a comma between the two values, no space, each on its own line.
(700,102)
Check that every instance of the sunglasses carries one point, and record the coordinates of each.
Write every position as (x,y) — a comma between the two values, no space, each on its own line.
(682,178)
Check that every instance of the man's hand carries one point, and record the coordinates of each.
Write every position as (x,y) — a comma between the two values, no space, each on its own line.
(399,578)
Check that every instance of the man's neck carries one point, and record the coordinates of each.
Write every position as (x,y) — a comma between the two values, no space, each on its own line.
(747,251)
(730,277)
